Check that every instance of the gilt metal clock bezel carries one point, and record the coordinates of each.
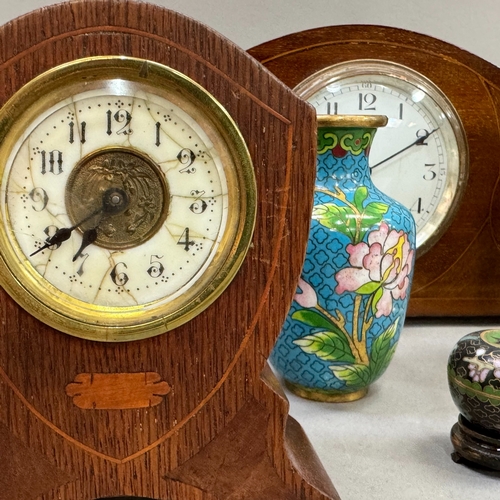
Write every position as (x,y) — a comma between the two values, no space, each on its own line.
(94,322)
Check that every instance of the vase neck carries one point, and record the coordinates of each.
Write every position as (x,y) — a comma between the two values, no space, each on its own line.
(343,153)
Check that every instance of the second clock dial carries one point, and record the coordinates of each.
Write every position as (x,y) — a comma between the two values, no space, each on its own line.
(420,158)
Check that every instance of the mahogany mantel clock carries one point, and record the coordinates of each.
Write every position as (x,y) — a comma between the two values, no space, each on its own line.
(438,154)
(154,219)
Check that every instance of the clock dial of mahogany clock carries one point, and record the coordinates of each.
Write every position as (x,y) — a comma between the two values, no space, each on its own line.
(437,155)
(153,178)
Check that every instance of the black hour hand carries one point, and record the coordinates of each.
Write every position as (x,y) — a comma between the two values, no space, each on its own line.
(88,237)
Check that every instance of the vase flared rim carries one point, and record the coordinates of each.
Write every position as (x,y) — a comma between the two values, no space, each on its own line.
(358,121)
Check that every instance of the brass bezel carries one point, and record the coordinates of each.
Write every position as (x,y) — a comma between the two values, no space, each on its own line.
(75,317)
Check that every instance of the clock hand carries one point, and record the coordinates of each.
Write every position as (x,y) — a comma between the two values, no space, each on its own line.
(114,201)
(419,142)
(64,233)
(88,237)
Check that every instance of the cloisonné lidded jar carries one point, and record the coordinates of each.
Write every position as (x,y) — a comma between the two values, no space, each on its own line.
(474,382)
(474,378)
(344,323)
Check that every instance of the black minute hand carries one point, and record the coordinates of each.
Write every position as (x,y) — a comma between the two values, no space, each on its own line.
(419,142)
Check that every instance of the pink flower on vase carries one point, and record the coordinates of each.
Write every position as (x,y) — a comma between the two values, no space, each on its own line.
(307,296)
(381,267)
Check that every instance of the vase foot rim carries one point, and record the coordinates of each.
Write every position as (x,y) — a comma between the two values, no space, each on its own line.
(325,396)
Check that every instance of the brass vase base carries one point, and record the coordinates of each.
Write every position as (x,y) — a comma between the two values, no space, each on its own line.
(475,445)
(325,396)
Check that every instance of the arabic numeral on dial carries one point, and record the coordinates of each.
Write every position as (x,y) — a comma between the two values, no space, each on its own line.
(118,274)
(185,241)
(50,231)
(54,160)
(422,134)
(329,108)
(121,116)
(430,174)
(40,198)
(186,157)
(158,130)
(417,206)
(199,205)
(157,268)
(83,129)
(366,102)
(83,256)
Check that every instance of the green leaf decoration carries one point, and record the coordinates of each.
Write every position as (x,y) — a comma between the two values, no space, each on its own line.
(368,288)
(329,346)
(382,351)
(383,341)
(341,219)
(372,214)
(360,196)
(492,337)
(352,375)
(313,318)
(376,208)
(376,299)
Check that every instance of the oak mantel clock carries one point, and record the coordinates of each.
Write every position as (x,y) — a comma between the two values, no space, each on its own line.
(437,155)
(154,220)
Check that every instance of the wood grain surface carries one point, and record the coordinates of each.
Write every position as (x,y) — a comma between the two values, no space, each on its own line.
(213,364)
(460,275)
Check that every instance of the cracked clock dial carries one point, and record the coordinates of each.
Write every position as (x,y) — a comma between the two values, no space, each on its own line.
(126,196)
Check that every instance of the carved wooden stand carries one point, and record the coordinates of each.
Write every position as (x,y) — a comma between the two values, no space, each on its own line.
(195,413)
(475,445)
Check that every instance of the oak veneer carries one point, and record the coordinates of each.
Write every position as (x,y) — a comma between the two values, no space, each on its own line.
(221,429)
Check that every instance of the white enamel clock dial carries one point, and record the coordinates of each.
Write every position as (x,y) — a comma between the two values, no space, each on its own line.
(123,199)
(420,157)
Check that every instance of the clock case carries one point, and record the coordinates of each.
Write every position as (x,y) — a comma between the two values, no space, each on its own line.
(194,413)
(459,275)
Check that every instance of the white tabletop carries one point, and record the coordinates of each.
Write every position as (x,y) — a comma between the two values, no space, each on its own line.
(394,444)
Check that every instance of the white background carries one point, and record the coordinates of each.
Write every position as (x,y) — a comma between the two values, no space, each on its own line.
(394,444)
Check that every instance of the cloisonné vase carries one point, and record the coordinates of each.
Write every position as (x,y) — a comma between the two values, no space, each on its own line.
(349,309)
